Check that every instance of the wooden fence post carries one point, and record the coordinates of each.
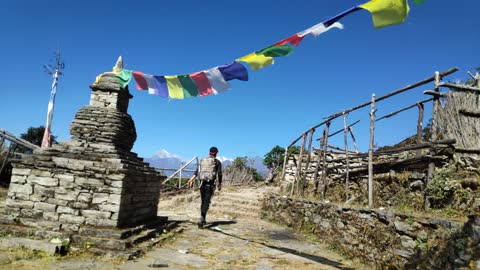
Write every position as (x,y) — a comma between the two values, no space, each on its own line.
(10,148)
(347,161)
(324,160)
(431,165)
(419,126)
(285,157)
(370,153)
(307,163)
(299,165)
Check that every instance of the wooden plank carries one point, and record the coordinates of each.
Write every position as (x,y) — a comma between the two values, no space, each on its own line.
(420,107)
(404,109)
(469,113)
(307,163)
(370,152)
(347,161)
(431,165)
(324,161)
(459,87)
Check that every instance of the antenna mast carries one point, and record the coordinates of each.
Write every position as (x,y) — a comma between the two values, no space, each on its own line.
(55,71)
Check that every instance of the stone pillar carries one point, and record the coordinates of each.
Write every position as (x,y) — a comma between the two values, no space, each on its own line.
(92,180)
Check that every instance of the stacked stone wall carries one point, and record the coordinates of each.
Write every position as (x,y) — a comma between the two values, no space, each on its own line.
(383,238)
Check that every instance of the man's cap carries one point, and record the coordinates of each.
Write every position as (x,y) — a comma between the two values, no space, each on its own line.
(213,149)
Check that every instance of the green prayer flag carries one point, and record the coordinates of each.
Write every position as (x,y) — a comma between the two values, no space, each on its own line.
(276,51)
(124,77)
(190,89)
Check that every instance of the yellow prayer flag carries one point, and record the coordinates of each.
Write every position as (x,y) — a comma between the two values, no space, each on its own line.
(97,79)
(256,61)
(175,89)
(387,12)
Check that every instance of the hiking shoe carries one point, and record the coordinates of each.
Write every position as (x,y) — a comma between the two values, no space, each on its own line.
(201,224)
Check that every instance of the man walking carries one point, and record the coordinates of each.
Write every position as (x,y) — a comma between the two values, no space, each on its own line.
(208,171)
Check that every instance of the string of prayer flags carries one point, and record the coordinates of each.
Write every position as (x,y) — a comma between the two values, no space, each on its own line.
(215,80)
(387,12)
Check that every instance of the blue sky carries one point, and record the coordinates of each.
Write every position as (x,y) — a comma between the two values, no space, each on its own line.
(337,70)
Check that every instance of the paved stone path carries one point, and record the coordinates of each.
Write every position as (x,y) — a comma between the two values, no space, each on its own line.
(234,238)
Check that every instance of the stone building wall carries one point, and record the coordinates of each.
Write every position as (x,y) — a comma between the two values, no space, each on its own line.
(382,238)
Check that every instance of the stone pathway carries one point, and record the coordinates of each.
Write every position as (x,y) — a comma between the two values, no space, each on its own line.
(234,238)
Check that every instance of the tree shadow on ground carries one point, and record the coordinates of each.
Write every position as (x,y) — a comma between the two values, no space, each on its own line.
(311,257)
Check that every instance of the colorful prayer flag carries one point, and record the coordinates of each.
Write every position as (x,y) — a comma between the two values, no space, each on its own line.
(202,82)
(256,61)
(151,82)
(234,70)
(124,77)
(162,86)
(139,80)
(320,28)
(387,12)
(294,40)
(188,85)
(216,80)
(175,89)
(276,51)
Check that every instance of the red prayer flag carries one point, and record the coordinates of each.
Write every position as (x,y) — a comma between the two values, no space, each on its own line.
(140,80)
(294,40)
(202,82)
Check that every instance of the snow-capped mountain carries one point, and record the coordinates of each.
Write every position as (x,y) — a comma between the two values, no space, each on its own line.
(165,160)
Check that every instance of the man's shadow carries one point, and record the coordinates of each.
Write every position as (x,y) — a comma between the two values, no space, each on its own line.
(212,227)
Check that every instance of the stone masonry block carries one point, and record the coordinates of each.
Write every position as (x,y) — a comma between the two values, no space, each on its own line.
(47,207)
(109,207)
(43,181)
(89,181)
(115,198)
(31,213)
(72,219)
(51,216)
(57,201)
(20,171)
(67,210)
(89,214)
(85,197)
(65,194)
(41,173)
(65,177)
(25,189)
(44,191)
(19,204)
(18,179)
(100,198)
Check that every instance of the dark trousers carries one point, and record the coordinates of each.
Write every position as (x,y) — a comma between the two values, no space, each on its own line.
(206,193)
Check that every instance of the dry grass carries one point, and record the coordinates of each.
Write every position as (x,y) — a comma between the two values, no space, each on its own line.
(454,125)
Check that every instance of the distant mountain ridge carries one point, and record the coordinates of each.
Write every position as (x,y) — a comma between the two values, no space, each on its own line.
(165,160)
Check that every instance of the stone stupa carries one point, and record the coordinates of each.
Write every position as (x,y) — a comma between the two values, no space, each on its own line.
(92,188)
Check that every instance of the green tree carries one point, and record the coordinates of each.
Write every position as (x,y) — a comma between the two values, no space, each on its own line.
(273,158)
(35,136)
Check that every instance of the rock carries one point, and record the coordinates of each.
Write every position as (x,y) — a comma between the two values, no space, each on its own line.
(418,184)
(31,244)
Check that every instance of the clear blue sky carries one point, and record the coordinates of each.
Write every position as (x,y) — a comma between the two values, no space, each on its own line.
(324,75)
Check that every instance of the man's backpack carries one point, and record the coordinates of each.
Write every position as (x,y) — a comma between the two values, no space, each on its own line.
(207,170)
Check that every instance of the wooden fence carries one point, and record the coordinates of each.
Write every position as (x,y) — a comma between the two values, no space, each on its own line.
(355,164)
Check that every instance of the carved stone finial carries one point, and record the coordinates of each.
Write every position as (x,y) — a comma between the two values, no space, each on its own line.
(119,65)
